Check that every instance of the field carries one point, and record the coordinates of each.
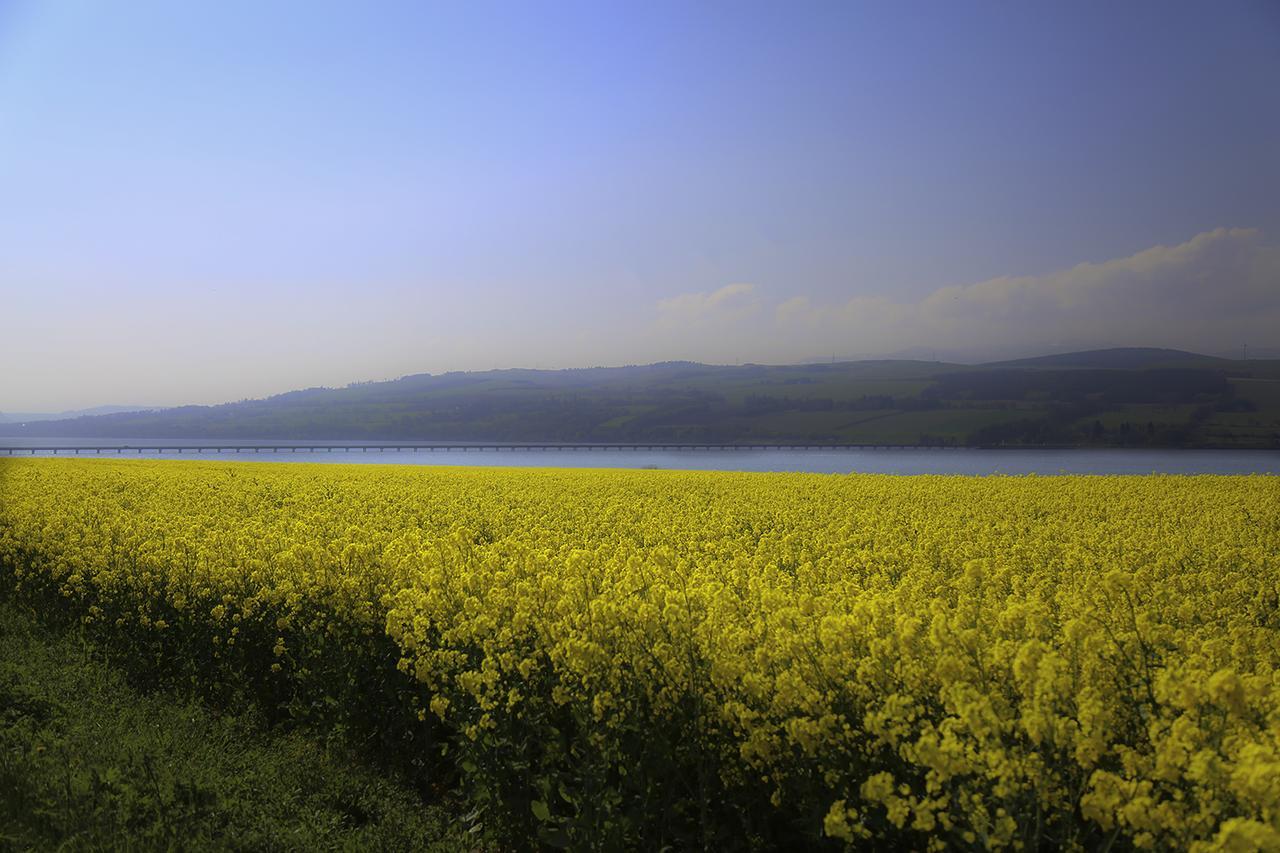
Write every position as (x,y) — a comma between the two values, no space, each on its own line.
(640,659)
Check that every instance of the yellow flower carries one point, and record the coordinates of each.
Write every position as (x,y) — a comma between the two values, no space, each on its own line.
(954,656)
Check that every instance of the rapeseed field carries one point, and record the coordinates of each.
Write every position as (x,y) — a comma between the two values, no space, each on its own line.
(614,659)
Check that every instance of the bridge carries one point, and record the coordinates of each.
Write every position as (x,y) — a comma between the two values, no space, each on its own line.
(495,447)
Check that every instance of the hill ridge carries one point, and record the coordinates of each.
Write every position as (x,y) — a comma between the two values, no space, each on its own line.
(1123,396)
(1113,358)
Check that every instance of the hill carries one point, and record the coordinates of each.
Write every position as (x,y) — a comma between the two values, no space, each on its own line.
(1118,358)
(1125,397)
(32,417)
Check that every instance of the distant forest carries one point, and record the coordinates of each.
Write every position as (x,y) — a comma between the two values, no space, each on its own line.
(1122,398)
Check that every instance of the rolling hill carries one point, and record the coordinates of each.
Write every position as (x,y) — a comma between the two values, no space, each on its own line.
(31,417)
(1120,397)
(1118,358)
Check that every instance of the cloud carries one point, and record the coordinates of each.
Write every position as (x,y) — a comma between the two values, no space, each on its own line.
(798,308)
(1213,292)
(731,302)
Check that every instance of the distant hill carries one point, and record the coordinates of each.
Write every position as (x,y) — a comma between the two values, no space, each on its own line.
(1119,358)
(35,417)
(1125,397)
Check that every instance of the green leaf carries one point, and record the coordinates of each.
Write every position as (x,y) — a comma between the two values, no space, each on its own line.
(540,810)
(553,838)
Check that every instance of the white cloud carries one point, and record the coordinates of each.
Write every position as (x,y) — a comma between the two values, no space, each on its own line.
(733,301)
(1211,293)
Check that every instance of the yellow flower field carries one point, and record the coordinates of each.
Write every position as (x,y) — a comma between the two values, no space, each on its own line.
(610,659)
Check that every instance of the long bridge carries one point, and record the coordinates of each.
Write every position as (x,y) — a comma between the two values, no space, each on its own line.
(497,447)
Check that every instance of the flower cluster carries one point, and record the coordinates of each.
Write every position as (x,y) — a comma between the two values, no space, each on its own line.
(610,658)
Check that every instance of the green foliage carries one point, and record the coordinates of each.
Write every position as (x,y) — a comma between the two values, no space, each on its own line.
(89,762)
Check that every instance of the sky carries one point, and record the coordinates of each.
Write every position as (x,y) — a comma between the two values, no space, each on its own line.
(209,202)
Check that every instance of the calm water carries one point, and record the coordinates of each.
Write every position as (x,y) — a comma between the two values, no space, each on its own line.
(887,461)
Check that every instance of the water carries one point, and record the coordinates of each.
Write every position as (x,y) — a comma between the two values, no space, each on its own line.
(886,461)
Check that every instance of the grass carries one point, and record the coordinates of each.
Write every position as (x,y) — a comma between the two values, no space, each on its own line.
(1264,393)
(908,427)
(841,389)
(89,763)
(1139,415)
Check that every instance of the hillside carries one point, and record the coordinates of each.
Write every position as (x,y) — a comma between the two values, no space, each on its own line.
(1118,358)
(1127,397)
(31,417)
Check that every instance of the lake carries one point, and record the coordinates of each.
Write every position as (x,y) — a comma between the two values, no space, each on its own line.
(873,460)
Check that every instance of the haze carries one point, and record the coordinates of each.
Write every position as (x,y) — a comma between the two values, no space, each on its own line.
(200,204)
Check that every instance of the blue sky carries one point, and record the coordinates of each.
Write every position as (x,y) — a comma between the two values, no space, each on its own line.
(204,203)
